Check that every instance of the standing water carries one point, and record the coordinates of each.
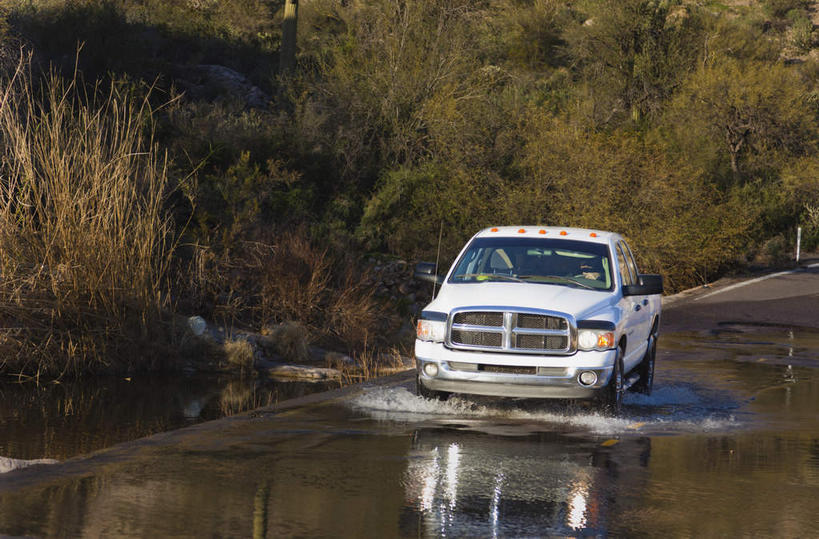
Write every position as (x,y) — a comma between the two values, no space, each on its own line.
(727,445)
(65,419)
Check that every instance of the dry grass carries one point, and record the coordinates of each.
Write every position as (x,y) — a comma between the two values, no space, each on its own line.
(372,363)
(301,292)
(291,341)
(239,354)
(302,282)
(84,239)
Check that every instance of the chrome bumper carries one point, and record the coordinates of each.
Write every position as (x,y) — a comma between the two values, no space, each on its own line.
(560,385)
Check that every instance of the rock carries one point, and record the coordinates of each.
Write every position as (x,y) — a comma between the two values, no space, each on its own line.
(197,325)
(208,80)
(326,357)
(303,372)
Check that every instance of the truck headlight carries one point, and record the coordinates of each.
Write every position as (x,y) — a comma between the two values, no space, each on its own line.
(431,330)
(595,339)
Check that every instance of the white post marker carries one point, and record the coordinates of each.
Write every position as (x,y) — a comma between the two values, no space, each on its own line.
(798,242)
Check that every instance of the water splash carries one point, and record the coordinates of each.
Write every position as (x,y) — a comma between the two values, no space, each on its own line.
(665,396)
(668,409)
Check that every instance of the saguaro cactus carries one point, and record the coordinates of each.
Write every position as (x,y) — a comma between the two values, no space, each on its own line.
(287,53)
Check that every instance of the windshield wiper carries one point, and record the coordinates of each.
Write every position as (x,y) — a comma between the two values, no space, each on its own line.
(488,276)
(560,278)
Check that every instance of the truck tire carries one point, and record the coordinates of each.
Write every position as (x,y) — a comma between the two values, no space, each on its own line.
(611,399)
(422,391)
(646,368)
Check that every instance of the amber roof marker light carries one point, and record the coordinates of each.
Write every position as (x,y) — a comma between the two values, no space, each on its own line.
(493,230)
(541,231)
(564,233)
(522,231)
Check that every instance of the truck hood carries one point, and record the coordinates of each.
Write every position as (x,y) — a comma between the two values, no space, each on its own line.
(577,301)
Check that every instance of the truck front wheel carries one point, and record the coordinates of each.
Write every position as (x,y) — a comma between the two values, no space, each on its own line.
(612,395)
(422,391)
(646,368)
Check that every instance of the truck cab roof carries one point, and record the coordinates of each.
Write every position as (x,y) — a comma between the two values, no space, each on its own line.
(580,234)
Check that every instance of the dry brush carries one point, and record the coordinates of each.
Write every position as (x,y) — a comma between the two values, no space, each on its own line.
(84,239)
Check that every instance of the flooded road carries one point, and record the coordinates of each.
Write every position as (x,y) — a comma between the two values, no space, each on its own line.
(728,444)
(63,420)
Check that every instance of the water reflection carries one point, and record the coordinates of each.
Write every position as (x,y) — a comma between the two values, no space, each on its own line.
(61,420)
(747,343)
(470,483)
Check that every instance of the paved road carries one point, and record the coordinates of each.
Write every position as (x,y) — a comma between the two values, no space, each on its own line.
(785,299)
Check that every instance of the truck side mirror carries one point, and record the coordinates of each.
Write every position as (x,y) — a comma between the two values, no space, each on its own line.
(649,285)
(427,271)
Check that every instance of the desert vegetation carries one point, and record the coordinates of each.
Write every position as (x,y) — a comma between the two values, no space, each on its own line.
(156,165)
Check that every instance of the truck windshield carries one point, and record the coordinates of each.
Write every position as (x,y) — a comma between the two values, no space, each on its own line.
(540,260)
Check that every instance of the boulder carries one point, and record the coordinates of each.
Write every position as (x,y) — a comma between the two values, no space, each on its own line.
(304,372)
(208,81)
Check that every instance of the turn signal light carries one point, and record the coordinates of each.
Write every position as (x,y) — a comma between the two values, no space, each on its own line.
(593,339)
(605,340)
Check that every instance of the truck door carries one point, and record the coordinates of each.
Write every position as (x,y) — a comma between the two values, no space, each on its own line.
(647,309)
(635,312)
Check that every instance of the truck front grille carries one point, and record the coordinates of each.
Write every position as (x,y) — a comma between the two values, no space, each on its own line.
(511,331)
(541,342)
(477,338)
(537,321)
(480,319)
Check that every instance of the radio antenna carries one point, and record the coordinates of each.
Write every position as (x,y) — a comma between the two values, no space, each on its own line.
(437,257)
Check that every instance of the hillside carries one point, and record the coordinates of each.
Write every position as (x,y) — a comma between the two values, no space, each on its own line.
(254,199)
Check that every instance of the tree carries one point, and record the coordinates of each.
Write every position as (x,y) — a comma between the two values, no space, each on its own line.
(634,53)
(750,115)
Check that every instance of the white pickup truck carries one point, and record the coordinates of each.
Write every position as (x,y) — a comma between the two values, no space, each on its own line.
(540,312)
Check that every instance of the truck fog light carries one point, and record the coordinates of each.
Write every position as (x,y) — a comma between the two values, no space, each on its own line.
(431,369)
(587,378)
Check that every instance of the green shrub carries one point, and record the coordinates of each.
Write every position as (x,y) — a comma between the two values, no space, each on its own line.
(634,53)
(780,8)
(678,221)
(411,206)
(776,251)
(742,120)
(810,227)
(800,35)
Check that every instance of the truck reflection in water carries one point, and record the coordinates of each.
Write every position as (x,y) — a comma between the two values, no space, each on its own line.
(467,483)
